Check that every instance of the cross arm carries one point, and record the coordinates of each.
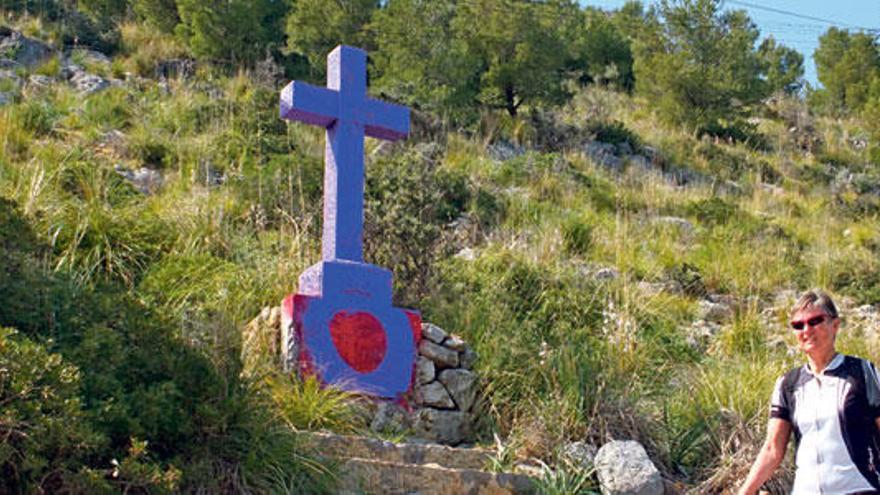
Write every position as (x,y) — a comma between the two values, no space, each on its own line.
(385,120)
(310,104)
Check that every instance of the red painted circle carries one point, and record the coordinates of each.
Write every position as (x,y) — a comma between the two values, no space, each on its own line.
(359,339)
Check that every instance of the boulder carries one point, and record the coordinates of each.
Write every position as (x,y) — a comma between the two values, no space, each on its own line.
(433,333)
(390,417)
(603,154)
(23,50)
(6,98)
(580,454)
(468,358)
(623,468)
(461,385)
(503,151)
(89,83)
(40,81)
(145,180)
(455,343)
(446,427)
(425,372)
(715,311)
(606,274)
(442,357)
(434,394)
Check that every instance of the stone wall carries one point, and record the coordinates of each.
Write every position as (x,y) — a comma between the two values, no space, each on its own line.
(442,405)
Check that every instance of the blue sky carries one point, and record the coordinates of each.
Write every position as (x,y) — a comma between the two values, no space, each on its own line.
(799,33)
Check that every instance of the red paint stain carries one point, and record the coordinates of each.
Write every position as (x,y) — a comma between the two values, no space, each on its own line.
(359,339)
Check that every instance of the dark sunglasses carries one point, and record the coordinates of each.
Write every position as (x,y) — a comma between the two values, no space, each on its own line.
(813,322)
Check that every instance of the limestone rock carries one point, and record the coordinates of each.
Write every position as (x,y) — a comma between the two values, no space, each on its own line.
(89,83)
(91,56)
(468,358)
(683,225)
(442,357)
(455,343)
(623,468)
(390,417)
(435,395)
(603,154)
(6,98)
(580,454)
(715,312)
(503,151)
(467,254)
(40,81)
(425,371)
(606,274)
(447,427)
(23,50)
(10,78)
(144,179)
(433,333)
(462,386)
(701,333)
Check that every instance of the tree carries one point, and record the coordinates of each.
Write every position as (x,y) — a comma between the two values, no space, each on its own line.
(846,64)
(605,51)
(234,31)
(519,47)
(159,13)
(700,67)
(315,27)
(783,67)
(417,60)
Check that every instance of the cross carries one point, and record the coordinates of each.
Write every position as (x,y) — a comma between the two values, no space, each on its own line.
(348,114)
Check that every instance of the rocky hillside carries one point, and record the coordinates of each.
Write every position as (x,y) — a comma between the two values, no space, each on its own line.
(619,277)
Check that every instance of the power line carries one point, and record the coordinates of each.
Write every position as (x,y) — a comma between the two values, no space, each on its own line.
(795,14)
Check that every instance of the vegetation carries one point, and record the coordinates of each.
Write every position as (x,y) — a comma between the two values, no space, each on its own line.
(120,312)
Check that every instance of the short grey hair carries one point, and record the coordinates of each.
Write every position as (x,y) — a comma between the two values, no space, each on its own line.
(816,298)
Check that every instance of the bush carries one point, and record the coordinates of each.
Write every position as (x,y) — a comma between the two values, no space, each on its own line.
(44,438)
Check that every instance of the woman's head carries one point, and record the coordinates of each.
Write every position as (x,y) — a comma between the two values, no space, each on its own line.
(815,322)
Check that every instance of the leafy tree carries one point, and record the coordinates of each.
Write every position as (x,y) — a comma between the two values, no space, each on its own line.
(846,64)
(417,59)
(605,51)
(783,67)
(233,31)
(159,13)
(520,49)
(700,67)
(315,27)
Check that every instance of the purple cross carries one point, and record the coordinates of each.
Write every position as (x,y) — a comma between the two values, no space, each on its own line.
(345,110)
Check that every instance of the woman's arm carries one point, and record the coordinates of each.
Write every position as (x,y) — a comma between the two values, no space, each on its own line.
(771,454)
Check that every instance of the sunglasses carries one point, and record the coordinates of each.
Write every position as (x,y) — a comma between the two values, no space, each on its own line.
(813,322)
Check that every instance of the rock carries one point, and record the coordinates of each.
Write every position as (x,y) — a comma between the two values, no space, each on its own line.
(623,468)
(714,312)
(425,371)
(603,154)
(447,427)
(700,334)
(40,81)
(433,333)
(6,98)
(683,225)
(114,141)
(89,83)
(175,68)
(69,70)
(467,254)
(10,79)
(90,56)
(461,385)
(624,148)
(640,163)
(652,289)
(580,454)
(144,179)
(442,357)
(390,417)
(503,151)
(606,274)
(23,50)
(455,343)
(468,358)
(434,394)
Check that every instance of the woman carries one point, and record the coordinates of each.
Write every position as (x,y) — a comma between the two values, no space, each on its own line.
(831,404)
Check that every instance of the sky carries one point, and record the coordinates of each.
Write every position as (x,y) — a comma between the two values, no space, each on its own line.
(801,28)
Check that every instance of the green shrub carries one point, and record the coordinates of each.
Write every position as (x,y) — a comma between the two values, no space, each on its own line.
(44,438)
